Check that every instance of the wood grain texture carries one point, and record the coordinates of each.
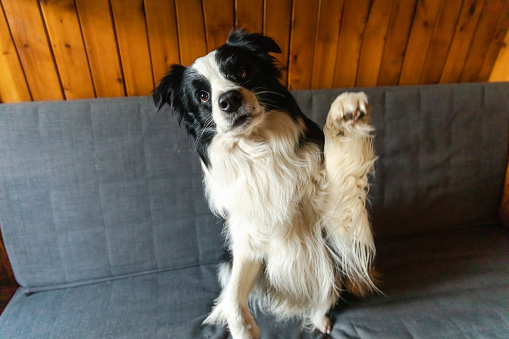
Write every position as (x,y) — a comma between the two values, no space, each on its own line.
(163,36)
(463,35)
(106,48)
(302,43)
(219,21)
(400,23)
(440,42)
(420,37)
(101,44)
(484,33)
(132,36)
(249,15)
(191,28)
(500,70)
(327,36)
(277,22)
(29,35)
(497,44)
(13,86)
(353,23)
(64,32)
(373,43)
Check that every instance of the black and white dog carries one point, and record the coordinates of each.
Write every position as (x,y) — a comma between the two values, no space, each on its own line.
(293,196)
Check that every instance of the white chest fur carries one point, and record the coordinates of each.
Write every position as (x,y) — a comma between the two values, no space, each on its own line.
(259,181)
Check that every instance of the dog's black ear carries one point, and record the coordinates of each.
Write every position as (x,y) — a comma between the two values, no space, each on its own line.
(169,89)
(253,41)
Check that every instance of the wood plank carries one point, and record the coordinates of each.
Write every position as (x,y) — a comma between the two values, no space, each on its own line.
(393,55)
(6,273)
(131,30)
(496,45)
(64,32)
(13,87)
(504,206)
(500,71)
(249,15)
(353,24)
(6,294)
(163,36)
(33,48)
(484,33)
(191,28)
(327,37)
(219,20)
(440,42)
(302,44)
(373,43)
(101,44)
(277,22)
(463,35)
(420,36)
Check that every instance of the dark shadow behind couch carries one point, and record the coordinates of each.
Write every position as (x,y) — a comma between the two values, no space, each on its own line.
(109,236)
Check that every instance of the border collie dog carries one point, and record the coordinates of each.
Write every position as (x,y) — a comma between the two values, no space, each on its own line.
(293,196)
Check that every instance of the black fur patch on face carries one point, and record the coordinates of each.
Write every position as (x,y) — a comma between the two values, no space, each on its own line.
(188,94)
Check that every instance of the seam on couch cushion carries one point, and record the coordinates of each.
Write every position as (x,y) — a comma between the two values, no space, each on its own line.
(37,289)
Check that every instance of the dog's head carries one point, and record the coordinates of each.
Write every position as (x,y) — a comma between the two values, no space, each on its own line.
(226,91)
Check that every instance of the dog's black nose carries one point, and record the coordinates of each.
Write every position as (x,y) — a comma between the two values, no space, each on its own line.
(230,101)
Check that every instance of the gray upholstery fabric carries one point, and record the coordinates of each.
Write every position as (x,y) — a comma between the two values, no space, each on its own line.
(104,220)
(450,284)
(97,189)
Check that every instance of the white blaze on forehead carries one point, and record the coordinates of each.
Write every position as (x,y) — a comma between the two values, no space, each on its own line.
(209,69)
(207,66)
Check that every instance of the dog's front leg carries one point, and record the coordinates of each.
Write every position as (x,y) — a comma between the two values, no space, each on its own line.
(245,272)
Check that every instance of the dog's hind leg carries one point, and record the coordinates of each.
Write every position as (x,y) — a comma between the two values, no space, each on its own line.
(349,160)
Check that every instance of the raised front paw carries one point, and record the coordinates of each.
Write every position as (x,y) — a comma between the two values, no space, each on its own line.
(347,109)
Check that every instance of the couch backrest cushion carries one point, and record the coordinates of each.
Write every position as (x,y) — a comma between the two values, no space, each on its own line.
(104,188)
(92,189)
(442,153)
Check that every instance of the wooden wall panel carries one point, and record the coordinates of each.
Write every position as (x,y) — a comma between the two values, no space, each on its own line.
(29,35)
(219,18)
(440,42)
(163,36)
(400,23)
(302,43)
(497,44)
(463,35)
(64,49)
(485,30)
(500,70)
(353,23)
(64,32)
(277,23)
(13,86)
(132,36)
(420,37)
(327,36)
(191,28)
(373,43)
(101,44)
(249,15)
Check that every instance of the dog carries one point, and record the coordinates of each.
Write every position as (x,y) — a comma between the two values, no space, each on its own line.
(293,196)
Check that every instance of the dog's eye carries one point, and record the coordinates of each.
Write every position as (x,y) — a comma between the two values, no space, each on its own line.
(241,73)
(204,96)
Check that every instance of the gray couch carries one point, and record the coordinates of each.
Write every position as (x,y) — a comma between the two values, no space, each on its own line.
(109,235)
